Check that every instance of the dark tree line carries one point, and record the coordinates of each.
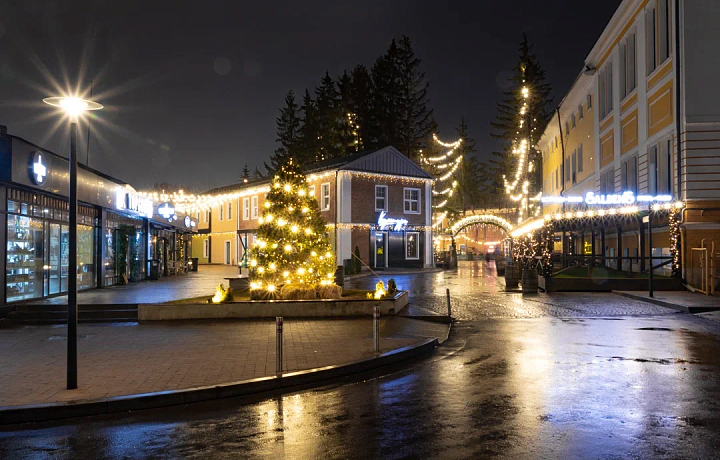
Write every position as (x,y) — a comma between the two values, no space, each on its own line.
(359,110)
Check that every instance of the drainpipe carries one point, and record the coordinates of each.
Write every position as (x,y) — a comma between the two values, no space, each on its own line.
(678,122)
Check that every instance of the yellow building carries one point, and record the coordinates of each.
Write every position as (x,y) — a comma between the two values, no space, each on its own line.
(646,79)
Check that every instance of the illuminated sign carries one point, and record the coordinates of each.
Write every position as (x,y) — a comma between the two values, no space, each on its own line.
(126,201)
(167,211)
(397,224)
(38,168)
(188,221)
(625,198)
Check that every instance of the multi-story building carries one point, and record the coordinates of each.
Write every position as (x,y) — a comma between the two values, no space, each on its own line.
(648,78)
(379,202)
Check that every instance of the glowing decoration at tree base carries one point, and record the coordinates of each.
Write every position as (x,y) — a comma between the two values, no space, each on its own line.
(379,293)
(222,294)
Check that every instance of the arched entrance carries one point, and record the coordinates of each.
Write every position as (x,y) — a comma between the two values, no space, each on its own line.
(458,226)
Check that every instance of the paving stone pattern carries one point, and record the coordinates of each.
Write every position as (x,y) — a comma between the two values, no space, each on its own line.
(128,359)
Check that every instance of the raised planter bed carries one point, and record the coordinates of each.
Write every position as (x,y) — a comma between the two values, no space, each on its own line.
(272,308)
(556,284)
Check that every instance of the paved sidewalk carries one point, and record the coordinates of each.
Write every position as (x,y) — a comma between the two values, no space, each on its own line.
(692,302)
(193,284)
(131,359)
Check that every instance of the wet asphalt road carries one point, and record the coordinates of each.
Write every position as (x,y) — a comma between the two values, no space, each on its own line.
(520,381)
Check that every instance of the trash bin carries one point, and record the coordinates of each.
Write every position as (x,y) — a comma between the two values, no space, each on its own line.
(193,264)
(154,269)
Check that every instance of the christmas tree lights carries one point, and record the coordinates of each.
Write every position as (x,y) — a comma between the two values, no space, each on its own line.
(291,247)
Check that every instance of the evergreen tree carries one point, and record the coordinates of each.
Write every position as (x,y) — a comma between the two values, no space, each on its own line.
(361,91)
(291,247)
(309,145)
(245,173)
(512,126)
(348,131)
(385,98)
(288,132)
(415,118)
(257,174)
(468,193)
(329,118)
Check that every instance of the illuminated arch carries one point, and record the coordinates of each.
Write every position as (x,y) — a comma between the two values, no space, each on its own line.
(458,226)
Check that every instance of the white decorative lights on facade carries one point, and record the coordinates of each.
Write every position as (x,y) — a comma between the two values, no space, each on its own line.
(397,224)
(627,198)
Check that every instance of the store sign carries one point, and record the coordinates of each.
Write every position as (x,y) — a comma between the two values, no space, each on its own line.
(132,202)
(397,224)
(625,198)
(188,221)
(38,168)
(167,211)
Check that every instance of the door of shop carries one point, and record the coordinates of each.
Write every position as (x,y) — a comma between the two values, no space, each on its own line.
(380,250)
(57,258)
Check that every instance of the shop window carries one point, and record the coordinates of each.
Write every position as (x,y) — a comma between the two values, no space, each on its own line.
(412,201)
(25,274)
(412,245)
(246,208)
(381,197)
(660,168)
(629,175)
(325,197)
(229,211)
(254,206)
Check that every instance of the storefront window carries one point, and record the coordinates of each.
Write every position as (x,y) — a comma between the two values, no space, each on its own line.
(24,272)
(412,250)
(86,256)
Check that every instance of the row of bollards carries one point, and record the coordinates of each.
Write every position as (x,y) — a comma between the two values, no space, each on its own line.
(279,338)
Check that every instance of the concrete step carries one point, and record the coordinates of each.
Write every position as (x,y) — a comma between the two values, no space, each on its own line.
(85,316)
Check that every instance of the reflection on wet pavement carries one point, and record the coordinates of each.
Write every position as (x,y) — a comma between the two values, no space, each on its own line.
(542,387)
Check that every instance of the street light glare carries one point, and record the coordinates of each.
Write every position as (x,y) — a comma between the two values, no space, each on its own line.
(73,106)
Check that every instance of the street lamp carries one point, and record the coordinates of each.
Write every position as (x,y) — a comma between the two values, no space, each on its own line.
(73,108)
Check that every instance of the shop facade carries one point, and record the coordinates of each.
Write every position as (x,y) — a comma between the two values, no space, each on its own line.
(378,202)
(118,228)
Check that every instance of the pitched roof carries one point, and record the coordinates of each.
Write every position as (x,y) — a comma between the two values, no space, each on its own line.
(387,160)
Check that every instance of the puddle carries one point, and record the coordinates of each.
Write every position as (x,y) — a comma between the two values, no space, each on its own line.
(666,329)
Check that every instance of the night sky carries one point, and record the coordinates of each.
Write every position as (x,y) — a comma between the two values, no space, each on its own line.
(192,89)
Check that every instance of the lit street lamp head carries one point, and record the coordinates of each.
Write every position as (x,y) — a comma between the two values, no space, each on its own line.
(73,106)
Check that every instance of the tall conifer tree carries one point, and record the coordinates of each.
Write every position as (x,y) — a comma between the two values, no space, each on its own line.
(288,132)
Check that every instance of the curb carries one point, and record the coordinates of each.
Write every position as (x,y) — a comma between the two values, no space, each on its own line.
(662,303)
(54,411)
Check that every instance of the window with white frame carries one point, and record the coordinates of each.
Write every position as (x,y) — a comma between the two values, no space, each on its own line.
(628,66)
(657,40)
(589,101)
(411,201)
(325,197)
(246,208)
(381,192)
(229,211)
(254,206)
(412,245)
(660,168)
(605,90)
(607,182)
(207,216)
(629,175)
(221,213)
(206,248)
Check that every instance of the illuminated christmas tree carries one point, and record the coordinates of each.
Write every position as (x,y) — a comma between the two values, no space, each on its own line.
(291,248)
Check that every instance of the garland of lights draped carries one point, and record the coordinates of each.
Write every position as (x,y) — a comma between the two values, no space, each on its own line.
(523,146)
(674,224)
(445,165)
(291,245)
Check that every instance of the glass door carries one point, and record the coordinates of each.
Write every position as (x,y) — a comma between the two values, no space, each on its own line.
(64,257)
(54,255)
(380,251)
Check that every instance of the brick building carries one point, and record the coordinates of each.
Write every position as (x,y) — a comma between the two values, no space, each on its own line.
(379,202)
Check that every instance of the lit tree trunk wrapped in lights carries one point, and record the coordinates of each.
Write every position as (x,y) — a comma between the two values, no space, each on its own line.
(291,249)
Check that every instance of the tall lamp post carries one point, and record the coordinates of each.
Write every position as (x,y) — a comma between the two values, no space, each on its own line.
(73,108)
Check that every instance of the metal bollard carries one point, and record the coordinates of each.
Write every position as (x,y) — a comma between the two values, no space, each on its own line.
(278,344)
(447,291)
(376,328)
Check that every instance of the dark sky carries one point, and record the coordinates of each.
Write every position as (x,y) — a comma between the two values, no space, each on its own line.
(192,89)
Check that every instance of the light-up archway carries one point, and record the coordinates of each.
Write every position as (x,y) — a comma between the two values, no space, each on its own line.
(458,226)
